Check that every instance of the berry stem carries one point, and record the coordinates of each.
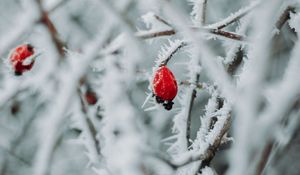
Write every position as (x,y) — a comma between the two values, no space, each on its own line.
(168,58)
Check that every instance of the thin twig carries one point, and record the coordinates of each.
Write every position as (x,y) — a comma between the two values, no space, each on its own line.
(162,20)
(264,158)
(189,116)
(234,17)
(89,127)
(51,29)
(194,91)
(165,62)
(169,32)
(226,34)
(154,34)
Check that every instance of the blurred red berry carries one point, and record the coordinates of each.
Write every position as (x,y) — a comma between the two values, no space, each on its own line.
(164,87)
(91,97)
(18,56)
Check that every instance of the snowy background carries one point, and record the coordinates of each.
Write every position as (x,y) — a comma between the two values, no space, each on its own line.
(236,63)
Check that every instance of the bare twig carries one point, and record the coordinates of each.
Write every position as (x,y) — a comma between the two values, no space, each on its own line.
(194,91)
(162,20)
(52,30)
(154,34)
(226,34)
(264,158)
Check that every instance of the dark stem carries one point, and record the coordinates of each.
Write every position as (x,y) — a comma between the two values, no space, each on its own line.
(51,29)
(264,158)
(162,20)
(169,32)
(226,34)
(189,116)
(91,127)
(238,59)
(285,16)
(150,35)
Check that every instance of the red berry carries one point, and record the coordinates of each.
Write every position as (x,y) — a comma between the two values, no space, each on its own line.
(19,55)
(164,86)
(91,97)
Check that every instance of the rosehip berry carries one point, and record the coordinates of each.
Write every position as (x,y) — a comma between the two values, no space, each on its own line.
(91,97)
(18,57)
(164,87)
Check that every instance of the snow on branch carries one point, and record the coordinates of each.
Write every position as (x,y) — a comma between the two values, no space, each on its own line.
(198,11)
(234,17)
(52,125)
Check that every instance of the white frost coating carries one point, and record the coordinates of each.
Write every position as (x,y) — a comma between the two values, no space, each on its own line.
(166,51)
(179,127)
(205,135)
(232,17)
(122,140)
(199,143)
(86,136)
(197,11)
(250,86)
(51,126)
(30,14)
(215,70)
(208,171)
(294,21)
(152,23)
(233,47)
(286,91)
(180,119)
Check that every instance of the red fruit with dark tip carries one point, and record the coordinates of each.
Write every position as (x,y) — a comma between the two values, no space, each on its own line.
(164,86)
(19,55)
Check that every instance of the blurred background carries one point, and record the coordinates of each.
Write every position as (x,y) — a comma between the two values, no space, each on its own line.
(79,110)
